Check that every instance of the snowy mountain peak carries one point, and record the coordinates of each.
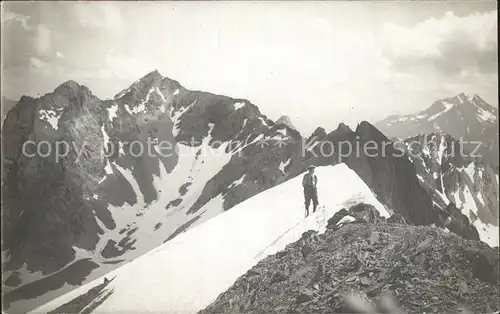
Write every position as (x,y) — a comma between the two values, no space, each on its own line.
(69,84)
(153,78)
(462,116)
(71,88)
(155,74)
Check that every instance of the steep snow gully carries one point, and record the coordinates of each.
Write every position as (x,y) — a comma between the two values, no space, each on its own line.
(187,273)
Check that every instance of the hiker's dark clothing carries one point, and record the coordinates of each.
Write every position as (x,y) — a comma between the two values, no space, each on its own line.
(309,183)
(310,194)
(309,180)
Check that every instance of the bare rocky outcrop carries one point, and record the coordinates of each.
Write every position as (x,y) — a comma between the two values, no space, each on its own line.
(427,269)
(285,120)
(360,213)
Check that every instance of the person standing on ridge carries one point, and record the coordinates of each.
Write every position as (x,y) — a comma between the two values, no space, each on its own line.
(309,182)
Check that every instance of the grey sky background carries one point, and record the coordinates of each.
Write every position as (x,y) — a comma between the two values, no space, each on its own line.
(320,63)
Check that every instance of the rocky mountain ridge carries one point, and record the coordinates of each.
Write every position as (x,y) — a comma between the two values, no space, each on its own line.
(425,268)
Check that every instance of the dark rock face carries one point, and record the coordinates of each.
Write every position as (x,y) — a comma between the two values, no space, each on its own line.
(485,263)
(362,213)
(54,216)
(73,275)
(285,120)
(462,117)
(370,260)
(332,222)
(13,280)
(452,177)
(459,223)
(365,213)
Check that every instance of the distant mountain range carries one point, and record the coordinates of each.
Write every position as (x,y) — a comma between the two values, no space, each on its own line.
(159,160)
(6,105)
(465,118)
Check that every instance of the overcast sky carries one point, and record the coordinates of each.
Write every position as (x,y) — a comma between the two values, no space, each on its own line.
(320,63)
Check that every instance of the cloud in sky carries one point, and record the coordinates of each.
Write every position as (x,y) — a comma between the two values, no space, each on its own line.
(103,16)
(43,39)
(449,45)
(318,62)
(10,17)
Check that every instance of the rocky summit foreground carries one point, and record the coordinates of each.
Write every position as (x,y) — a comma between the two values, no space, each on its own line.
(427,269)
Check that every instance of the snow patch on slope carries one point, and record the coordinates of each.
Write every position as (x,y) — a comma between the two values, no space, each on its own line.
(105,138)
(398,119)
(282,131)
(442,148)
(51,116)
(108,168)
(283,165)
(238,182)
(239,105)
(112,112)
(346,219)
(197,171)
(470,171)
(176,115)
(447,107)
(142,106)
(160,93)
(123,92)
(487,233)
(486,116)
(173,279)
